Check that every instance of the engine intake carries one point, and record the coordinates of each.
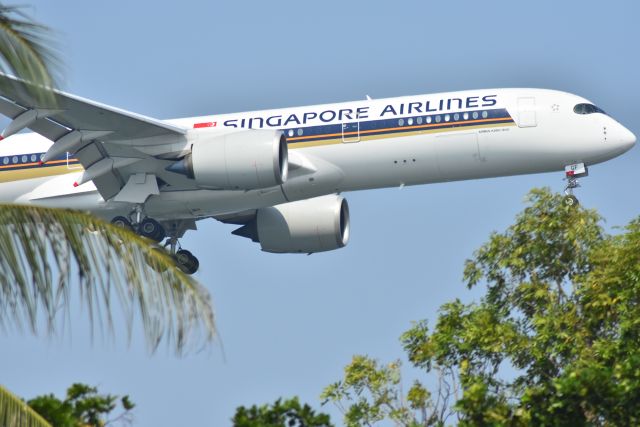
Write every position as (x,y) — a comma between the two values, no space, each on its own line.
(307,226)
(244,160)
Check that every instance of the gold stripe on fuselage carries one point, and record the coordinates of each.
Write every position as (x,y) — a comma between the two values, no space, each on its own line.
(364,137)
(36,172)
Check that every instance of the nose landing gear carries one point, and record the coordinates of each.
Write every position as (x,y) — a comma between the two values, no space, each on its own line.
(572,173)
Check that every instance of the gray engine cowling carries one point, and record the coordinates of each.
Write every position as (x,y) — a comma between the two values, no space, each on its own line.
(306,226)
(243,160)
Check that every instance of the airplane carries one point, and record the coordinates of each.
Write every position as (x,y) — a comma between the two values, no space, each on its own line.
(279,174)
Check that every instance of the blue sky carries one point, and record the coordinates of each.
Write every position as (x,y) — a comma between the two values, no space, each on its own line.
(290,323)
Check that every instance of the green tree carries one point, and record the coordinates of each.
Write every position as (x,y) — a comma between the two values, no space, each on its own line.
(371,392)
(83,406)
(287,413)
(553,341)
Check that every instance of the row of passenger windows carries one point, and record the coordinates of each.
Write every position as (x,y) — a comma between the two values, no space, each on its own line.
(447,117)
(420,120)
(21,159)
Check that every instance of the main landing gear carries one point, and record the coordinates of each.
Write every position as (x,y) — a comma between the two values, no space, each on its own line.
(572,173)
(185,260)
(153,230)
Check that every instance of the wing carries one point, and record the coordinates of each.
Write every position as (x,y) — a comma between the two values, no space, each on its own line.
(114,146)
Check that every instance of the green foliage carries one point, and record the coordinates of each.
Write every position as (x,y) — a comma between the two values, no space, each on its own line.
(83,407)
(42,251)
(374,393)
(554,340)
(288,413)
(25,51)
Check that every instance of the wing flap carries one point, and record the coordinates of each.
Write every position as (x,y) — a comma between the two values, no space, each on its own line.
(108,131)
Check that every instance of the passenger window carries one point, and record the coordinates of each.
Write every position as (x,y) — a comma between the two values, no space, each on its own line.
(485,114)
(465,116)
(419,120)
(429,119)
(446,118)
(438,119)
(5,161)
(33,157)
(475,114)
(401,122)
(410,122)
(14,160)
(456,117)
(290,132)
(300,132)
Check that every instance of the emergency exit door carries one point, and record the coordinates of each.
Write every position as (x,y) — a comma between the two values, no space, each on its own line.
(351,131)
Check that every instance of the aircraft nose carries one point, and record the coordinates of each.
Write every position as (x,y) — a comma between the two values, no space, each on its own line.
(619,138)
(624,138)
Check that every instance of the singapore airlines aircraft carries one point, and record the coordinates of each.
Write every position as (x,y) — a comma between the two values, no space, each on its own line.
(278,173)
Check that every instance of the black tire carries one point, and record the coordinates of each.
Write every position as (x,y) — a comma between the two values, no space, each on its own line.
(571,201)
(122,222)
(151,229)
(186,261)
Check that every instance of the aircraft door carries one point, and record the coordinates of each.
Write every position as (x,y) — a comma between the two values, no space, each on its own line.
(351,131)
(527,112)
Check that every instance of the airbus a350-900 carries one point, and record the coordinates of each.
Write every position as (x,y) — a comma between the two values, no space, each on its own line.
(278,174)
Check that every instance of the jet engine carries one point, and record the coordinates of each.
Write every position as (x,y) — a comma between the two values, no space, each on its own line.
(307,226)
(244,160)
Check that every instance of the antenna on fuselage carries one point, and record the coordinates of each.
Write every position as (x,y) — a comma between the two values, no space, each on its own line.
(369,98)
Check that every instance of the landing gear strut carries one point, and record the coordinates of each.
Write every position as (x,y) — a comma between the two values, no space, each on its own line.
(153,230)
(572,173)
(185,260)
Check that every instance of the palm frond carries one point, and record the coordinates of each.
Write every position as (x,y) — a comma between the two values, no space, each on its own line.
(14,412)
(26,50)
(44,250)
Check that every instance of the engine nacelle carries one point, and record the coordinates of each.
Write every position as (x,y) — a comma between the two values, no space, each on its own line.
(243,160)
(307,226)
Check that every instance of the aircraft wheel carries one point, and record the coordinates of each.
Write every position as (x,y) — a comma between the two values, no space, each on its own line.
(122,222)
(186,261)
(151,229)
(571,201)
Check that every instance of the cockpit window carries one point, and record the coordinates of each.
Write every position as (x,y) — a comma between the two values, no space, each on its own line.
(587,109)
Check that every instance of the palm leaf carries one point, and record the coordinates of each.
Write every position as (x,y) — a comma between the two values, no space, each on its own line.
(26,51)
(14,412)
(43,250)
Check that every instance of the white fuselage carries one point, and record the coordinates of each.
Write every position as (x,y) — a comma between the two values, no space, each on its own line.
(357,145)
